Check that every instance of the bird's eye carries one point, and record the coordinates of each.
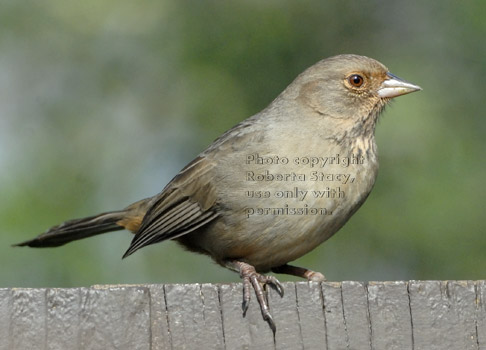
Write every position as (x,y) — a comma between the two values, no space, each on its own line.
(356,80)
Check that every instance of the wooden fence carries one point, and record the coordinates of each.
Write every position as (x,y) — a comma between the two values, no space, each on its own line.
(346,315)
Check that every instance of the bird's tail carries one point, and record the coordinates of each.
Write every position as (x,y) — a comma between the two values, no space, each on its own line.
(73,230)
(129,218)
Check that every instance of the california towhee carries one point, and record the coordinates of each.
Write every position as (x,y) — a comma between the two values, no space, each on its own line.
(273,187)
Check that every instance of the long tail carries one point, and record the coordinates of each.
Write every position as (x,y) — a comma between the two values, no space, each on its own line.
(73,230)
(129,218)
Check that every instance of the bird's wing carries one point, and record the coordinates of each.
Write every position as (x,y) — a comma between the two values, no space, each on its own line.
(185,204)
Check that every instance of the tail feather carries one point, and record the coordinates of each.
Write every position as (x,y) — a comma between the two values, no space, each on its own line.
(73,230)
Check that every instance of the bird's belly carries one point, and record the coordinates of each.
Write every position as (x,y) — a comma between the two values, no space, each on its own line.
(269,232)
(287,237)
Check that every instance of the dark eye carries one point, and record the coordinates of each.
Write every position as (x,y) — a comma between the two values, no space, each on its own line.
(356,80)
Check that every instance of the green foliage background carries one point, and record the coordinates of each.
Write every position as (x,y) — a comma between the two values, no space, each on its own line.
(103,102)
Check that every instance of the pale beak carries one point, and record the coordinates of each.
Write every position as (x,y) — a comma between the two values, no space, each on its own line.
(394,86)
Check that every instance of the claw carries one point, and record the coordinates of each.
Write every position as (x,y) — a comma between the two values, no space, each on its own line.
(251,278)
(268,317)
(277,285)
(246,294)
(273,281)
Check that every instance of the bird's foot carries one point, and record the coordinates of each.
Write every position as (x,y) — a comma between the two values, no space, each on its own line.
(310,275)
(251,278)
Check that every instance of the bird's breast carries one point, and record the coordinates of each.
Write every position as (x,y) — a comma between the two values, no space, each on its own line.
(279,203)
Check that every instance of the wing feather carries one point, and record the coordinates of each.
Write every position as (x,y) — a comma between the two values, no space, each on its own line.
(186,203)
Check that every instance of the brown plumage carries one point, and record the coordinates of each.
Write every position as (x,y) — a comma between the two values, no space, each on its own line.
(330,110)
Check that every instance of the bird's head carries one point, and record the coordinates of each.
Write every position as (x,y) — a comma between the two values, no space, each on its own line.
(349,87)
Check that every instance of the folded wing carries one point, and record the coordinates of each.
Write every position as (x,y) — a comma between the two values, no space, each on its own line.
(186,203)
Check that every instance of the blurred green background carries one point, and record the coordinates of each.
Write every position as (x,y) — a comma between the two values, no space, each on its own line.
(103,102)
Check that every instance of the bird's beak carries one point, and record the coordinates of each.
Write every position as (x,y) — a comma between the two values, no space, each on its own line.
(393,86)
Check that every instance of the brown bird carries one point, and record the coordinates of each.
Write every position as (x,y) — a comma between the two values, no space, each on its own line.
(273,187)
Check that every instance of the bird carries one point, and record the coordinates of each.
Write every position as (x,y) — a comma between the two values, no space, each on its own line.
(273,187)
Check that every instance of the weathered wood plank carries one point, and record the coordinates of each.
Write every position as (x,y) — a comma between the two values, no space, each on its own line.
(481,314)
(437,321)
(249,332)
(286,317)
(114,317)
(63,318)
(311,315)
(194,316)
(159,321)
(348,315)
(336,334)
(391,323)
(464,297)
(5,323)
(356,315)
(27,328)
